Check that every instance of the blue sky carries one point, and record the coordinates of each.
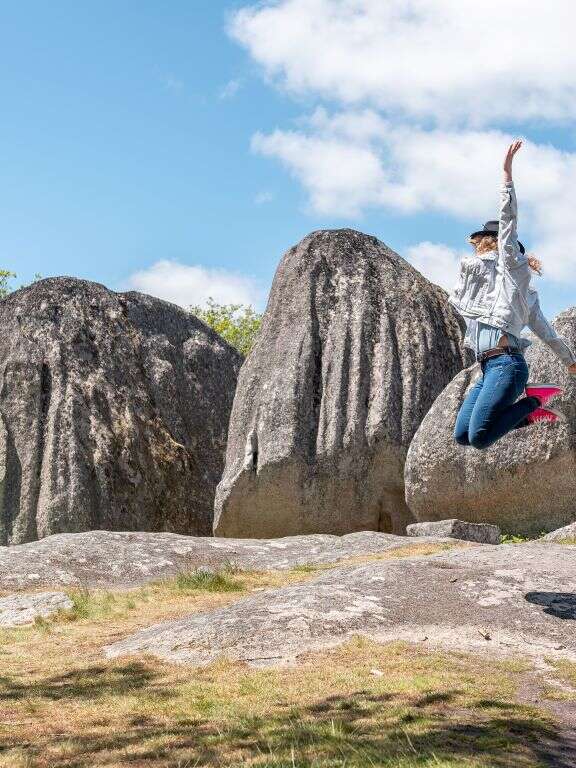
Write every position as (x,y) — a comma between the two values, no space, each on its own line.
(180,148)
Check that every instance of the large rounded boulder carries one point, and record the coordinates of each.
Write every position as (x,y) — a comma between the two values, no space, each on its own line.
(525,483)
(355,346)
(113,412)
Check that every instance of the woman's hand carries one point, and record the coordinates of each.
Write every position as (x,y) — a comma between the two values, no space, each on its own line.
(572,369)
(512,149)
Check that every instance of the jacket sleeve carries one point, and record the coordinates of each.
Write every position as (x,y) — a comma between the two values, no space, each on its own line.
(508,248)
(546,333)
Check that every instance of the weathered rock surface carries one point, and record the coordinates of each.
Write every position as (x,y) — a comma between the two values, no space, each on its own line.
(525,483)
(18,610)
(567,533)
(354,347)
(113,412)
(457,529)
(507,599)
(110,559)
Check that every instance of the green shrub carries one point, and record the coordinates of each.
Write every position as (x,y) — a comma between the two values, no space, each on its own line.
(237,324)
(5,277)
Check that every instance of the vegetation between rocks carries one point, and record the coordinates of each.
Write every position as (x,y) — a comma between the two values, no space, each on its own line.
(5,277)
(239,325)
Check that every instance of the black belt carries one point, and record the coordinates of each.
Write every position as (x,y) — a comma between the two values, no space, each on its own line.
(495,351)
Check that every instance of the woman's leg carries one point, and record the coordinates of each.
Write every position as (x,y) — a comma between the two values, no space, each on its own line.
(465,412)
(496,411)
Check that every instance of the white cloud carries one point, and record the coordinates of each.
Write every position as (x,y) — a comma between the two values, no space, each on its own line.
(437,262)
(230,89)
(194,285)
(446,59)
(340,178)
(264,197)
(172,83)
(422,90)
(354,160)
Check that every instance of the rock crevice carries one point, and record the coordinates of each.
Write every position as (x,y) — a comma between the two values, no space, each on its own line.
(339,379)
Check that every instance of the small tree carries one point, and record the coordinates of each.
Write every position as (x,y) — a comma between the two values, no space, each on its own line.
(236,323)
(5,277)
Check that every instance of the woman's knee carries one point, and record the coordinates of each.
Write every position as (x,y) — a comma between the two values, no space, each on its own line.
(479,441)
(461,436)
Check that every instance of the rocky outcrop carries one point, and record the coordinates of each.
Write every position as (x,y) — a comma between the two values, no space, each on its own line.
(509,599)
(355,346)
(565,534)
(109,559)
(19,610)
(113,412)
(525,483)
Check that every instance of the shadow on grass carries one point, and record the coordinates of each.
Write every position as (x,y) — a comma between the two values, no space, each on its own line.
(355,730)
(86,683)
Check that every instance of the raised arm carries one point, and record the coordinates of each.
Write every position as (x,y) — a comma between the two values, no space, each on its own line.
(507,233)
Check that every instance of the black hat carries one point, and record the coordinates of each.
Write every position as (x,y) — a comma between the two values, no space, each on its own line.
(491,228)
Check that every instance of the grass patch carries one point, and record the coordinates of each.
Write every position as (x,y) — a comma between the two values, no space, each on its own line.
(205,581)
(566,674)
(305,568)
(410,550)
(360,705)
(513,538)
(62,705)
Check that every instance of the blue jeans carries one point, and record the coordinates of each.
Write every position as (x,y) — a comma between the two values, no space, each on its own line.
(490,409)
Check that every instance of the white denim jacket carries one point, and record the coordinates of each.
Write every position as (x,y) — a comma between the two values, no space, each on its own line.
(494,287)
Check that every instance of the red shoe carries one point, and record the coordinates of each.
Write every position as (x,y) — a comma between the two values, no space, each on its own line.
(545,414)
(543,392)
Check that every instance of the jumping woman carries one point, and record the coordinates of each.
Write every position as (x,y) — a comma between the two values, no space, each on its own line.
(496,299)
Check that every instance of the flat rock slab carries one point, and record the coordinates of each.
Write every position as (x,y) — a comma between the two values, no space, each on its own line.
(482,533)
(567,533)
(109,559)
(511,599)
(18,610)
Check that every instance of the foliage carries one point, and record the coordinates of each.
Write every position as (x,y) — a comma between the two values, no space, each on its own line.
(5,277)
(238,324)
(207,581)
(513,538)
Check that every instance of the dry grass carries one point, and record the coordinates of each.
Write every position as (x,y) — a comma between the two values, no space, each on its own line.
(364,704)
(565,674)
(410,550)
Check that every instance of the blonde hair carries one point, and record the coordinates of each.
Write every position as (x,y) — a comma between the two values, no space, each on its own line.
(484,243)
(487,243)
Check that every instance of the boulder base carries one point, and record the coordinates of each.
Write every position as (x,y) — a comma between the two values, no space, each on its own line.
(457,529)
